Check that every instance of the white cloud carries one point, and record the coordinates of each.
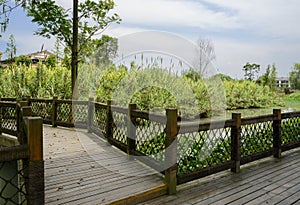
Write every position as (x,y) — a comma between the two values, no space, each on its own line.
(276,18)
(232,55)
(259,31)
(118,31)
(173,13)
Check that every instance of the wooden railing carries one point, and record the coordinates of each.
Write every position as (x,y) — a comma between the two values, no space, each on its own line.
(21,155)
(181,150)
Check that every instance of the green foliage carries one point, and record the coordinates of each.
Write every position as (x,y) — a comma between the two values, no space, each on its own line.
(109,82)
(222,77)
(269,78)
(39,81)
(256,140)
(247,94)
(23,60)
(102,51)
(293,97)
(295,76)
(51,61)
(194,159)
(11,48)
(154,147)
(156,89)
(55,20)
(250,70)
(291,130)
(192,74)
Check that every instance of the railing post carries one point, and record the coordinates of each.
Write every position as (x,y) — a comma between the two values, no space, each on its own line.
(109,121)
(1,119)
(91,110)
(236,142)
(277,137)
(54,112)
(131,130)
(19,105)
(26,111)
(171,150)
(36,187)
(28,100)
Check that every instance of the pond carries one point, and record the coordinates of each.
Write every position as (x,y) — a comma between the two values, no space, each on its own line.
(289,107)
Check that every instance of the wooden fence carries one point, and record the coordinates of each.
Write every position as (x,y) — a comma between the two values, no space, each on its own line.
(21,155)
(181,150)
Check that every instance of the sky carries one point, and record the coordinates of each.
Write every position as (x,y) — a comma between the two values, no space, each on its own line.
(256,31)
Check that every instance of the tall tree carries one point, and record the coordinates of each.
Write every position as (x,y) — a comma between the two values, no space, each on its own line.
(11,48)
(251,70)
(76,30)
(205,55)
(295,76)
(102,51)
(269,77)
(57,51)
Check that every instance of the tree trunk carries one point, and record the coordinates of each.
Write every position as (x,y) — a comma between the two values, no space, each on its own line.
(74,62)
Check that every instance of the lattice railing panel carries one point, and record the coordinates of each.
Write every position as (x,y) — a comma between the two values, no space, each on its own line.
(203,149)
(42,109)
(120,127)
(256,138)
(64,112)
(80,112)
(290,130)
(100,119)
(9,118)
(12,182)
(150,138)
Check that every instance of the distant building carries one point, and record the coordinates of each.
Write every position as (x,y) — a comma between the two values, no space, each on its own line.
(39,56)
(283,82)
(36,57)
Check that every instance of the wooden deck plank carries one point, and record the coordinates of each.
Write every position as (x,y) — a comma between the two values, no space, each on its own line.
(257,188)
(80,168)
(280,193)
(266,181)
(233,184)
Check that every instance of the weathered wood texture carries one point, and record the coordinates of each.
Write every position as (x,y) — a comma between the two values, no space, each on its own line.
(267,181)
(81,168)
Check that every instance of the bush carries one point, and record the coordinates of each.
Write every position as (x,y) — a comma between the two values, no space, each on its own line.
(247,94)
(23,60)
(40,81)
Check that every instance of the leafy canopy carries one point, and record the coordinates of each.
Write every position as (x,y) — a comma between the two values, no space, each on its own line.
(57,21)
(295,76)
(251,70)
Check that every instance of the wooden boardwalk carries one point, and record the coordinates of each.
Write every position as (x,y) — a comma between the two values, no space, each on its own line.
(268,181)
(80,168)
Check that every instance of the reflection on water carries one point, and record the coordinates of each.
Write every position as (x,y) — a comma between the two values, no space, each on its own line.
(262,111)
(290,107)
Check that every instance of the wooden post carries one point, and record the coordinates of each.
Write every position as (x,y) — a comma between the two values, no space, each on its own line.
(26,111)
(1,119)
(131,130)
(36,186)
(19,106)
(171,150)
(277,136)
(91,110)
(236,142)
(54,112)
(109,121)
(28,100)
